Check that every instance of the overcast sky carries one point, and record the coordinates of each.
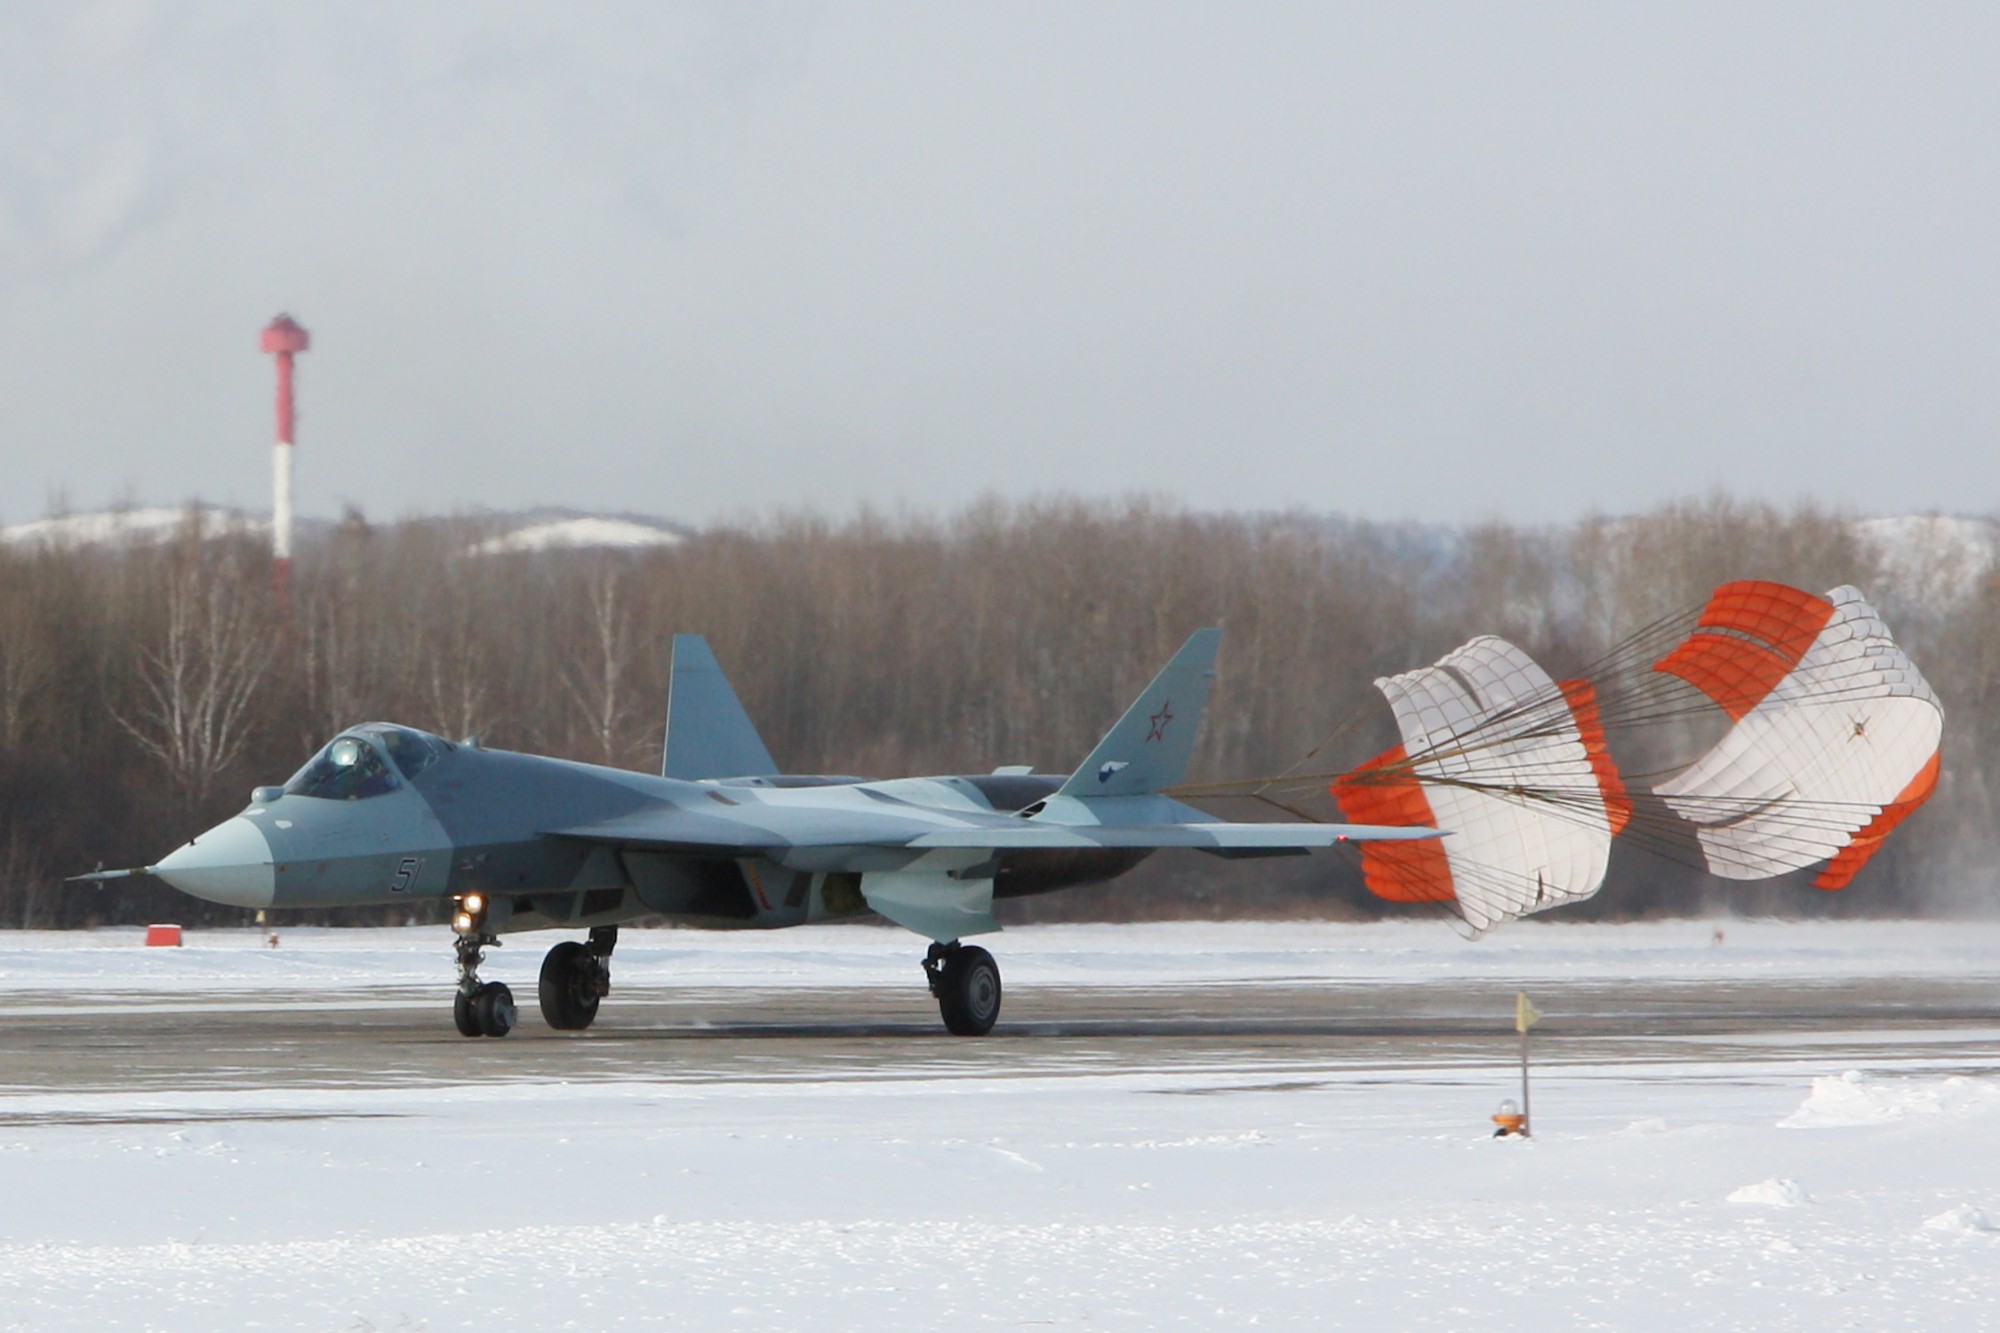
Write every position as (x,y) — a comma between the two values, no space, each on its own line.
(1441,262)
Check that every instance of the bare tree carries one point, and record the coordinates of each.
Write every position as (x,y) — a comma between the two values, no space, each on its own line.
(199,679)
(334,659)
(24,875)
(596,673)
(24,668)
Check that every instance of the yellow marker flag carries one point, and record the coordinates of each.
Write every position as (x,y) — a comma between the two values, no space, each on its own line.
(1525,1013)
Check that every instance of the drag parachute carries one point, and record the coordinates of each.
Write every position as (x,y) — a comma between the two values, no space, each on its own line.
(1835,741)
(1780,730)
(1514,765)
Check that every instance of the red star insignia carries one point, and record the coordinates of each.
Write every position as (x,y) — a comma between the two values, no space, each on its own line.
(1159,721)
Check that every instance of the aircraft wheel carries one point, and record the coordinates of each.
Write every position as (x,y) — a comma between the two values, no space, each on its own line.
(968,991)
(494,1007)
(569,987)
(463,1015)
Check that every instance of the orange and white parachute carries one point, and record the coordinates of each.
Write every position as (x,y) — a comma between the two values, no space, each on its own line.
(1513,764)
(1832,741)
(1835,740)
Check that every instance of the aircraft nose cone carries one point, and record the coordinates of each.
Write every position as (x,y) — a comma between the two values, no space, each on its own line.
(231,863)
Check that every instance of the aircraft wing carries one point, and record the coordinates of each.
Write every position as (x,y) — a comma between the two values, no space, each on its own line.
(674,829)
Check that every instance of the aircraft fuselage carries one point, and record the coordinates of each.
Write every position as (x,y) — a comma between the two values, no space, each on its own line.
(420,819)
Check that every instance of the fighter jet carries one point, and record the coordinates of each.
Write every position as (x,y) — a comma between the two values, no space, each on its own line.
(387,815)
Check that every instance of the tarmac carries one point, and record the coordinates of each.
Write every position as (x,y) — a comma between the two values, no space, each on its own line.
(1272,1034)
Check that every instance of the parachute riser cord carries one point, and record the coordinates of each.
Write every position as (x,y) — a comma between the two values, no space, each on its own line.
(1286,807)
(1804,838)
(1267,790)
(1647,645)
(1802,833)
(1354,721)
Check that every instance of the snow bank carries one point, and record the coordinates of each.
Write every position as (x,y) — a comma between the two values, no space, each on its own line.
(1964,1220)
(1855,1098)
(1772,1193)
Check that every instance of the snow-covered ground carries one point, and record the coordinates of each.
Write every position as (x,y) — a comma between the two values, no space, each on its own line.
(1088,955)
(1822,1179)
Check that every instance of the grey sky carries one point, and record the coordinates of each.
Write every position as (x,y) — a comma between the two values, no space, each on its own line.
(1442,262)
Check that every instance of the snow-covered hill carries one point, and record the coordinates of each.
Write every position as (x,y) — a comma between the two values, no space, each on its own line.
(1931,560)
(497,533)
(130,527)
(582,532)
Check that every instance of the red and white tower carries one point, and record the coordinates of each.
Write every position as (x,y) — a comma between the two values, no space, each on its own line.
(283,339)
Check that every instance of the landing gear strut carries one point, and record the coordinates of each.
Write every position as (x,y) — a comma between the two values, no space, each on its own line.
(966,982)
(575,977)
(480,1009)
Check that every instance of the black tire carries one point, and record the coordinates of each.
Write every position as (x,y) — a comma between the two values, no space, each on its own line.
(461,1014)
(969,992)
(494,1006)
(568,989)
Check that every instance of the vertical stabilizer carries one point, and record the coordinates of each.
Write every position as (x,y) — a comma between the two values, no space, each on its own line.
(1150,747)
(708,733)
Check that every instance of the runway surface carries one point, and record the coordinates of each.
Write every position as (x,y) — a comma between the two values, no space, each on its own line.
(354,1038)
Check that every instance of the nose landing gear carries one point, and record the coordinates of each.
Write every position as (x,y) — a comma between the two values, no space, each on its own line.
(480,1009)
(966,982)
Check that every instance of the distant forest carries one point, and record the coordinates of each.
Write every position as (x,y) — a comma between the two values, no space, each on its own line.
(144,690)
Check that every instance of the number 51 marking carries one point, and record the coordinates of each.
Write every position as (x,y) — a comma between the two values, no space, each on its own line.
(406,874)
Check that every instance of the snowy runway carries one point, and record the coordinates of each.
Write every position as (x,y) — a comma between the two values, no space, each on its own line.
(1176,1126)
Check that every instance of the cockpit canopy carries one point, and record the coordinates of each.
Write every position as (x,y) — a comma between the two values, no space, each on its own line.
(364,761)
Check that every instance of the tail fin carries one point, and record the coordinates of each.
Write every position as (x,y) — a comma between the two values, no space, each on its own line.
(708,733)
(1150,746)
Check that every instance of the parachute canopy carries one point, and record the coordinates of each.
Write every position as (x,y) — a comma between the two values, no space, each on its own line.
(1773,730)
(1828,739)
(1512,764)
(1836,736)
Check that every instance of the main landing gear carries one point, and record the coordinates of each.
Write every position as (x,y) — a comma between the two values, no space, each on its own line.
(575,977)
(966,982)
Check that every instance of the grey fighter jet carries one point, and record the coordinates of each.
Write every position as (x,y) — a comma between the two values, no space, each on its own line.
(721,838)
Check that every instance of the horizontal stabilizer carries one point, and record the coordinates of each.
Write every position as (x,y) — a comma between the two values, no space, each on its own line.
(1274,837)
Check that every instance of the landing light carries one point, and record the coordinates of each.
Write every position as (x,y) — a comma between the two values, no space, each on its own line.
(462,923)
(475,903)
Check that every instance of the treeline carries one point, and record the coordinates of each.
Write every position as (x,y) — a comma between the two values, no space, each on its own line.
(143,691)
